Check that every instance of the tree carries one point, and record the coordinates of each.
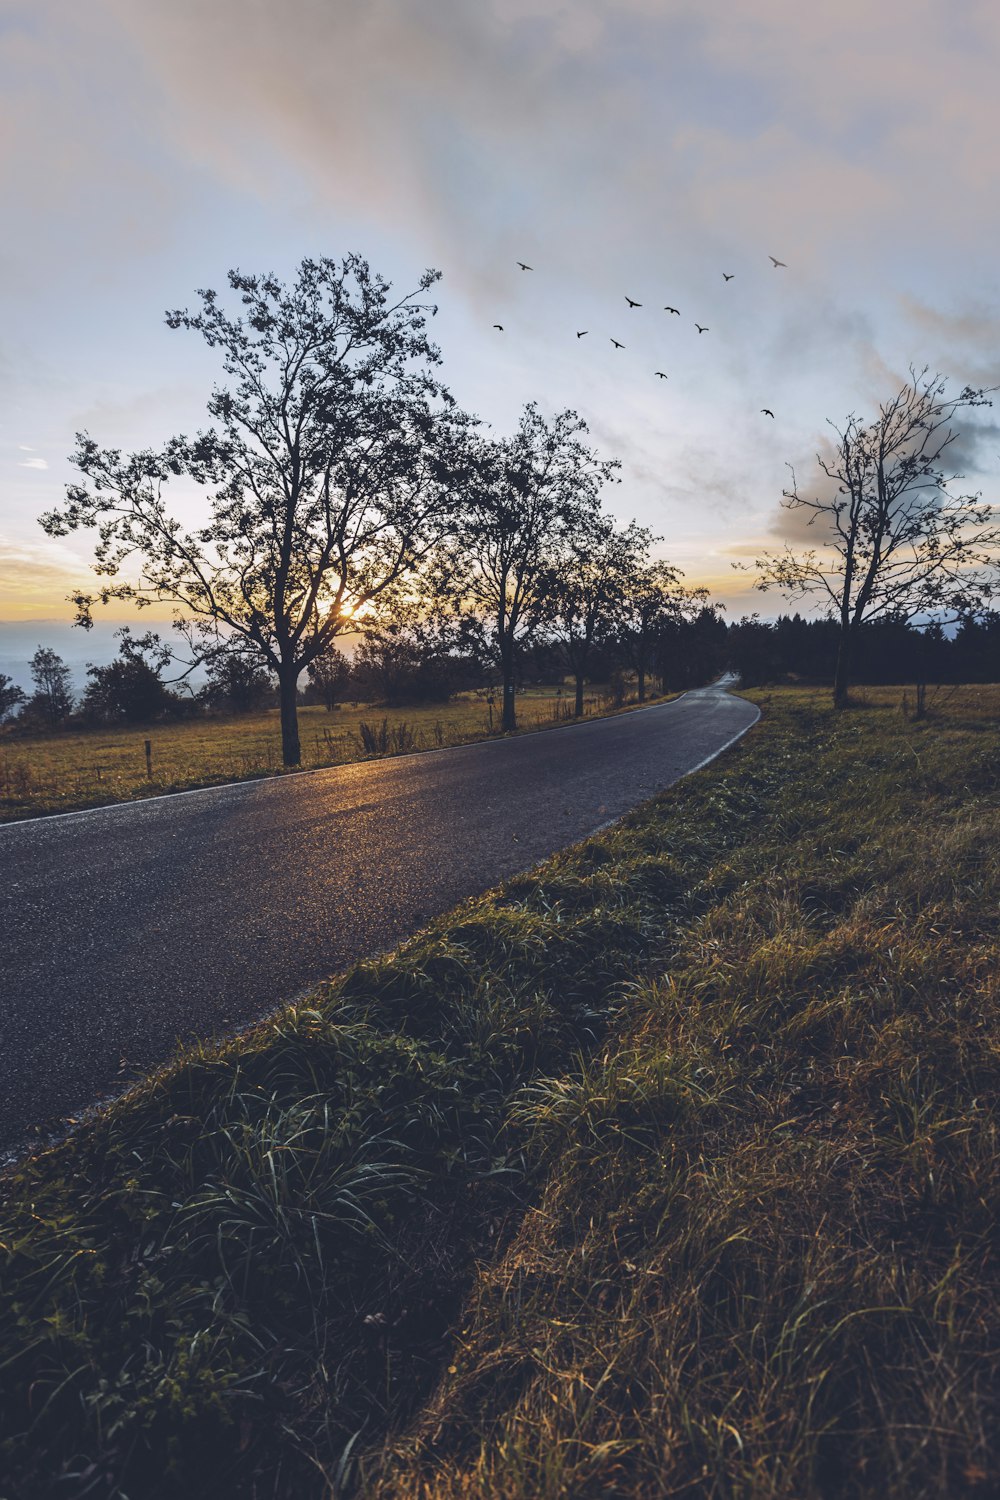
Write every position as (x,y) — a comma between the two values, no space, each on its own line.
(327,476)
(691,648)
(237,681)
(413,652)
(11,696)
(653,595)
(130,687)
(526,496)
(894,540)
(329,674)
(587,584)
(52,699)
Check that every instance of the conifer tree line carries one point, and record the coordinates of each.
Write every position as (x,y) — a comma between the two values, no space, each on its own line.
(345,491)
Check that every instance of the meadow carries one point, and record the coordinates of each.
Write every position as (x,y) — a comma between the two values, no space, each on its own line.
(92,767)
(671,1167)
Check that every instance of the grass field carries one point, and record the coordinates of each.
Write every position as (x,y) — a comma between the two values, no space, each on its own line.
(668,1169)
(89,768)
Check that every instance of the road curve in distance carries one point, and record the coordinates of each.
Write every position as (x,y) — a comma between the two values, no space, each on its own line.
(132,927)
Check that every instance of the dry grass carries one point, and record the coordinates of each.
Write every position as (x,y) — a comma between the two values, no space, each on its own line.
(90,768)
(670,1169)
(764,1262)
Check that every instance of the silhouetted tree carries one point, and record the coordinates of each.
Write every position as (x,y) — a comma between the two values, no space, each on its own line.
(130,688)
(237,681)
(11,696)
(587,585)
(415,650)
(52,700)
(327,475)
(654,595)
(329,675)
(975,654)
(526,496)
(893,540)
(691,648)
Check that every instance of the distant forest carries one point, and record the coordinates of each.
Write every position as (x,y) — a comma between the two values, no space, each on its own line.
(398,667)
(888,651)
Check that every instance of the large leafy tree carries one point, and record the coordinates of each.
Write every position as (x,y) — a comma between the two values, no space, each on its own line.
(588,586)
(327,474)
(52,700)
(652,598)
(130,688)
(11,696)
(526,496)
(894,541)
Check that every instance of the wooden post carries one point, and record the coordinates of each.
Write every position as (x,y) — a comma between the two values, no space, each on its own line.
(149,759)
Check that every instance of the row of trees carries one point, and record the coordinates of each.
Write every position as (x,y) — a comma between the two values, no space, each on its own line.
(398,660)
(398,664)
(345,488)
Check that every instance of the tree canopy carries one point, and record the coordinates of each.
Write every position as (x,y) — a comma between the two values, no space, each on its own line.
(893,538)
(327,473)
(526,497)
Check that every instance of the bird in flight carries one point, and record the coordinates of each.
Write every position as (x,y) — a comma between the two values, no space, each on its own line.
(728,275)
(776,263)
(582,332)
(632,303)
(661,375)
(700,329)
(617,345)
(673,310)
(765,412)
(498,325)
(524,267)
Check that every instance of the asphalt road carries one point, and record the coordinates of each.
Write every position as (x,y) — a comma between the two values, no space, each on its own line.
(127,928)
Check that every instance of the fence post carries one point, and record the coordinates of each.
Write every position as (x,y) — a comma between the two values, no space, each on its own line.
(149,759)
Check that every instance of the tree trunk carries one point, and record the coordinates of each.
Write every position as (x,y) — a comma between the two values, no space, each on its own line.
(291,751)
(508,711)
(842,675)
(508,715)
(641,682)
(578,705)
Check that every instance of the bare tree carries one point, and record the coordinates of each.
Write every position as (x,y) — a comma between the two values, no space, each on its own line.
(327,476)
(588,586)
(526,496)
(893,539)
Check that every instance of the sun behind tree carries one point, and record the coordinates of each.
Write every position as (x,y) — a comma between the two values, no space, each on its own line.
(328,474)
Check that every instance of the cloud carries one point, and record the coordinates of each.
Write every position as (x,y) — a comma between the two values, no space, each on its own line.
(763,126)
(617,145)
(33,463)
(963,342)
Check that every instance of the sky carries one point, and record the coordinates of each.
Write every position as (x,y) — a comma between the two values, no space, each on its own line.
(622,148)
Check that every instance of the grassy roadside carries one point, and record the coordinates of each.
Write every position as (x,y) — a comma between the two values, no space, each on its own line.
(669,1168)
(42,774)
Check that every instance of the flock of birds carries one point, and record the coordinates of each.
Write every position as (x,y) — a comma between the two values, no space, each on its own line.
(727,276)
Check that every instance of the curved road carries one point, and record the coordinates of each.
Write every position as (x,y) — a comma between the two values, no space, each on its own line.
(129,927)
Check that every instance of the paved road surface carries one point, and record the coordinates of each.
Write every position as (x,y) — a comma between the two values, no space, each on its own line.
(126,928)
